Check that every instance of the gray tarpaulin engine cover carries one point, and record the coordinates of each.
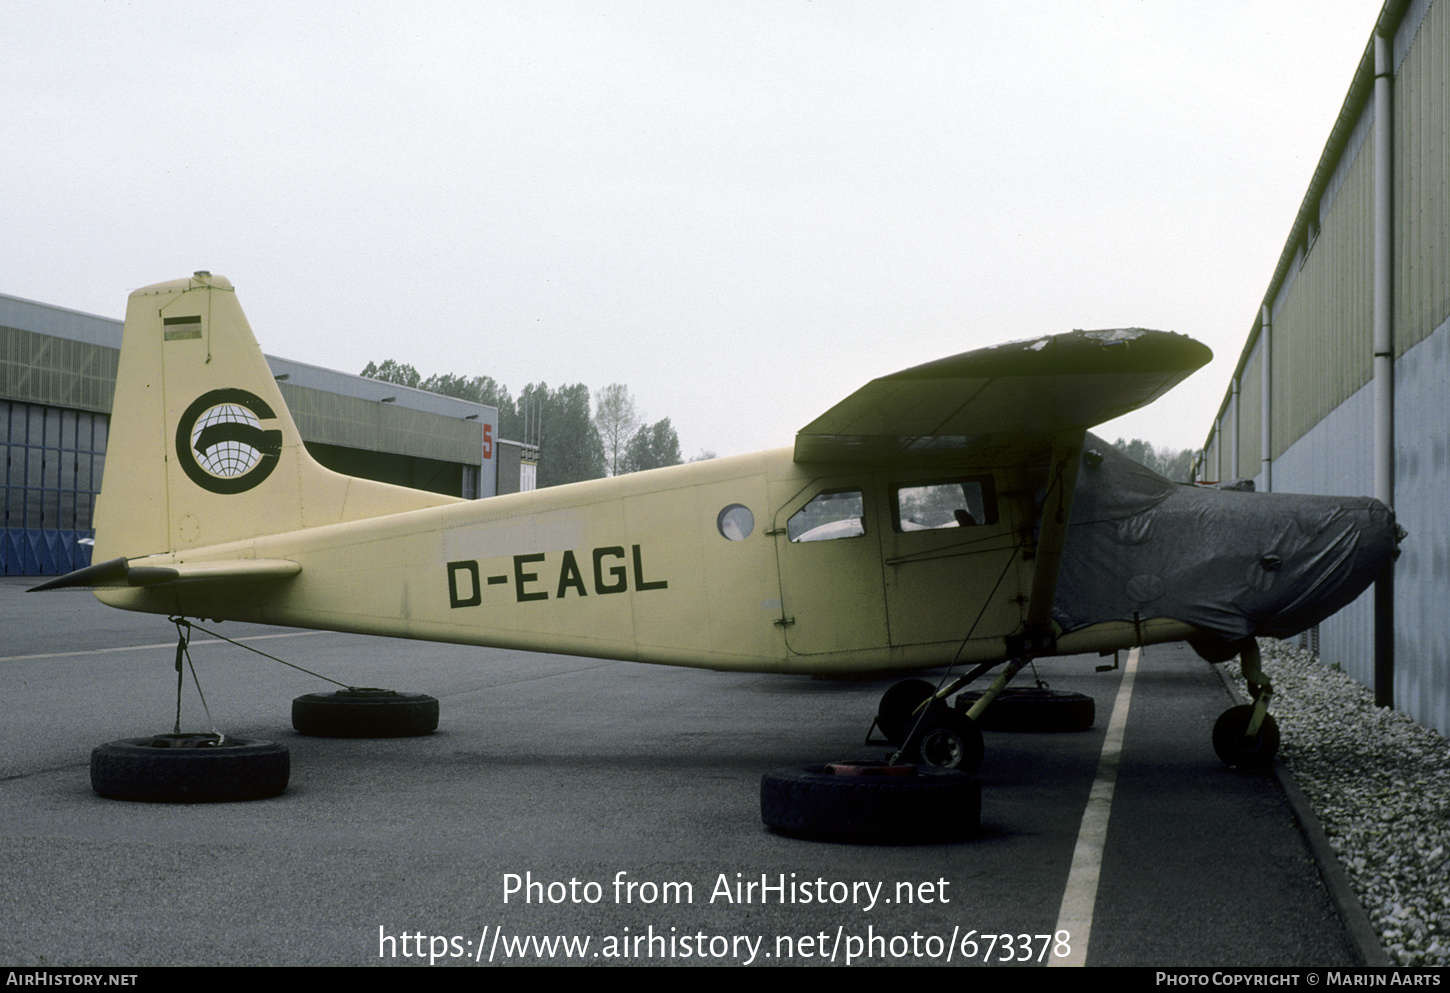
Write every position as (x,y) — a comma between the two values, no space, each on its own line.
(1231,562)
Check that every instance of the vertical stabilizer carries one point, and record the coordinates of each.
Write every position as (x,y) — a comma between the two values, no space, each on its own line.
(202,448)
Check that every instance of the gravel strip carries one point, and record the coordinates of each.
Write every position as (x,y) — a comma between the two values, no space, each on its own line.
(1380,786)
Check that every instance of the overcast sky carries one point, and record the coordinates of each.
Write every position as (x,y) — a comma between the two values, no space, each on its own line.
(744,211)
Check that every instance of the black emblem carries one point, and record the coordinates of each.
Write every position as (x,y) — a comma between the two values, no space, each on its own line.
(221,443)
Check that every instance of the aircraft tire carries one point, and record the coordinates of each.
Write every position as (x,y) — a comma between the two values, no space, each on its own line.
(185,768)
(1236,748)
(365,712)
(945,739)
(930,806)
(1037,710)
(895,712)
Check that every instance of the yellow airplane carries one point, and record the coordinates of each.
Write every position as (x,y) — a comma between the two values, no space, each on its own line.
(953,513)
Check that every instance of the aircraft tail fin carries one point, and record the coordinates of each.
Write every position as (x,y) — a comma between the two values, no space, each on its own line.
(202,448)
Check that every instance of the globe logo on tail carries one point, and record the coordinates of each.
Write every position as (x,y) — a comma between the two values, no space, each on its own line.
(221,443)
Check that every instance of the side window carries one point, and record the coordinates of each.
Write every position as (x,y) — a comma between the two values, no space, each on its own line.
(828,516)
(952,503)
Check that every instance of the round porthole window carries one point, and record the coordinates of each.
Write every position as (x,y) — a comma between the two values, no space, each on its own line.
(736,522)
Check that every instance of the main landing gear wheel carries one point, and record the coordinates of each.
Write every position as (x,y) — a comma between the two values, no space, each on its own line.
(365,712)
(1236,748)
(190,768)
(1033,709)
(897,805)
(945,739)
(897,710)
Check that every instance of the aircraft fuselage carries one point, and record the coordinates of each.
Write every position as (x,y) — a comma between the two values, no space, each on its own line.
(754,563)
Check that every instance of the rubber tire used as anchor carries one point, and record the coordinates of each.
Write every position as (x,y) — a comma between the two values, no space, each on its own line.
(190,768)
(945,739)
(897,710)
(925,807)
(365,712)
(1033,709)
(1236,748)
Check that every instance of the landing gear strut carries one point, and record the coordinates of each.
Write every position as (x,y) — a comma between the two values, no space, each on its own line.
(915,717)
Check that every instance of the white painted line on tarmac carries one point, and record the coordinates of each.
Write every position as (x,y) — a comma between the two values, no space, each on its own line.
(1075,916)
(151,648)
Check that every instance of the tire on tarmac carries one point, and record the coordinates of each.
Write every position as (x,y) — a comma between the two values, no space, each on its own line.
(190,768)
(1037,710)
(365,712)
(931,806)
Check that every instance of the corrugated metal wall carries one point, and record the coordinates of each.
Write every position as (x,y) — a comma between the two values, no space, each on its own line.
(1209,468)
(60,372)
(1422,193)
(1321,300)
(1322,328)
(1250,403)
(354,422)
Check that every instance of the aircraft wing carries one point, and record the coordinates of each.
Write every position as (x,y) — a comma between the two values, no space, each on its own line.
(1002,403)
(119,572)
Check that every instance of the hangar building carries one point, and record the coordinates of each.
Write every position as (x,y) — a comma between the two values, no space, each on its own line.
(57,379)
(1341,386)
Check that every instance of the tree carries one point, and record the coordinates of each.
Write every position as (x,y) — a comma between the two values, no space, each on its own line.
(1166,462)
(559,421)
(392,371)
(617,421)
(569,447)
(1177,466)
(480,389)
(652,447)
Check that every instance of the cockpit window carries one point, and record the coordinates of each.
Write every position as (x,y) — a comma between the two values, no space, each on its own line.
(953,503)
(828,516)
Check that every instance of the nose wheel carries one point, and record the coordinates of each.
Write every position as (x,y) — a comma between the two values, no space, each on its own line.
(1247,736)
(1237,747)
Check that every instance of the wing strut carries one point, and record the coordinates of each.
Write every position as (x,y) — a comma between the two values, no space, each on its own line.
(1052,536)
(1037,637)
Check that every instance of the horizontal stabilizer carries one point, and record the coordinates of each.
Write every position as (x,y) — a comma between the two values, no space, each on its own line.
(120,573)
(1004,402)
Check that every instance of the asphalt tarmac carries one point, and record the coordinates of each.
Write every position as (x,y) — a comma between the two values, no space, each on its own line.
(576,811)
